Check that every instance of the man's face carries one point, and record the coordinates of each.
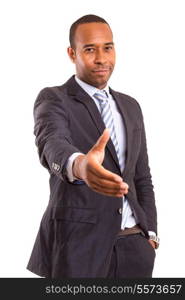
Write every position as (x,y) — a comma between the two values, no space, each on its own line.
(94,53)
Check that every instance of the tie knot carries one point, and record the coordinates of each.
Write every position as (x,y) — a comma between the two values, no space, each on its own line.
(101,96)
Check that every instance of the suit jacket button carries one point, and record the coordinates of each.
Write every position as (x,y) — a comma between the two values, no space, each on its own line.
(120,210)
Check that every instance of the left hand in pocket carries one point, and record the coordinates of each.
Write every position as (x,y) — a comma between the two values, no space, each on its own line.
(152,243)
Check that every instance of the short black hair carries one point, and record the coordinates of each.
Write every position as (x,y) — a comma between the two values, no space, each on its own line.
(83,20)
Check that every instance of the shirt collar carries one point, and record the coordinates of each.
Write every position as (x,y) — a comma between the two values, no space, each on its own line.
(90,89)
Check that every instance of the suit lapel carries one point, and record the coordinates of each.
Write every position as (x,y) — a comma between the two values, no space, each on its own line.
(80,95)
(122,106)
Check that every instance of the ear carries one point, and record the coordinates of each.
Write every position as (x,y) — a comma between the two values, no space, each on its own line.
(71,53)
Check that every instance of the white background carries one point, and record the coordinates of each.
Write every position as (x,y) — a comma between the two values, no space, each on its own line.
(149,37)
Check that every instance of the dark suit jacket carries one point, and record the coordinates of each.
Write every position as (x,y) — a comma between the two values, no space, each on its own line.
(79,226)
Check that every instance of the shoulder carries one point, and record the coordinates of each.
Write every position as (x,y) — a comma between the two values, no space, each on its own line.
(51,98)
(58,92)
(52,92)
(49,101)
(128,101)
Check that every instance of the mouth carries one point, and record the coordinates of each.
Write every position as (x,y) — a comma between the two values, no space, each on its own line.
(101,71)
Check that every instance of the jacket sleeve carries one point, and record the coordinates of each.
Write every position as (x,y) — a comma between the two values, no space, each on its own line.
(143,183)
(52,132)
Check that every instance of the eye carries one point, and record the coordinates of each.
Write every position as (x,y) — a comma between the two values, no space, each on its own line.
(89,50)
(108,48)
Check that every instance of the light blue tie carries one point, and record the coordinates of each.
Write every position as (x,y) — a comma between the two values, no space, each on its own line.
(107,117)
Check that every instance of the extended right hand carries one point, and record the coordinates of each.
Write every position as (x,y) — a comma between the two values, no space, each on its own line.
(89,168)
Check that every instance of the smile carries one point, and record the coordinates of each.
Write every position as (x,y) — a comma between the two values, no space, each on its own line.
(101,71)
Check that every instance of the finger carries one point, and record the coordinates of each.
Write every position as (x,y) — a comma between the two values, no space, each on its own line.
(152,243)
(107,193)
(109,185)
(101,173)
(125,191)
(102,141)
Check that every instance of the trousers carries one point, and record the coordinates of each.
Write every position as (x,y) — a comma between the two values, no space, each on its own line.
(132,257)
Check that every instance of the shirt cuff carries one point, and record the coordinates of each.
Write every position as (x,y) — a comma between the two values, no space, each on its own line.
(69,166)
(151,233)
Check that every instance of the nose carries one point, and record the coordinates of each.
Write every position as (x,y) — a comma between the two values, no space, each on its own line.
(100,57)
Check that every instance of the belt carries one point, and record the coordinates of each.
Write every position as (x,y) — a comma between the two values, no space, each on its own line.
(132,230)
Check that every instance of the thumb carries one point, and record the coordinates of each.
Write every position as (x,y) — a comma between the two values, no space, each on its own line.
(102,141)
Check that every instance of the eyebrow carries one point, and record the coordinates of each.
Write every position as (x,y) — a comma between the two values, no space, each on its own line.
(92,45)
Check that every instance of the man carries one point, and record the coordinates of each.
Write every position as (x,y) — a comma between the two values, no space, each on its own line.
(101,216)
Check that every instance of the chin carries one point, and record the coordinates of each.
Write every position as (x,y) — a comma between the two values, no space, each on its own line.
(102,82)
(99,83)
